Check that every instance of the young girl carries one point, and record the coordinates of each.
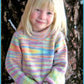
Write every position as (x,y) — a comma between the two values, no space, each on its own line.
(38,51)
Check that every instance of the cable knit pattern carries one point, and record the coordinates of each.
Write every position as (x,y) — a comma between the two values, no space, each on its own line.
(33,61)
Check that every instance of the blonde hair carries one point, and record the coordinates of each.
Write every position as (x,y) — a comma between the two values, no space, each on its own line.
(59,22)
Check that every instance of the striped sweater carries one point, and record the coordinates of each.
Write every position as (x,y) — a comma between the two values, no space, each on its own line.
(37,60)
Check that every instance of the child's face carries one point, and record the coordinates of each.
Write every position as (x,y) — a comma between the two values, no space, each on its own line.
(41,18)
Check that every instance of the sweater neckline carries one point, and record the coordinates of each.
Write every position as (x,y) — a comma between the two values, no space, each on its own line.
(42,34)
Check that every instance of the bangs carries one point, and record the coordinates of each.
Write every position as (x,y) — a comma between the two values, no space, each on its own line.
(44,4)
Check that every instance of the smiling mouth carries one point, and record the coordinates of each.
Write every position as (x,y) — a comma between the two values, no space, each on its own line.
(40,21)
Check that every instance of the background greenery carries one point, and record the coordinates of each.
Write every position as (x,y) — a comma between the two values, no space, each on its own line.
(12,11)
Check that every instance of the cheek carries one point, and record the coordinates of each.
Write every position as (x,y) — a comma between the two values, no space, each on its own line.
(50,20)
(33,16)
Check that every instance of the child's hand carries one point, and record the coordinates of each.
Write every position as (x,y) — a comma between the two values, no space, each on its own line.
(48,81)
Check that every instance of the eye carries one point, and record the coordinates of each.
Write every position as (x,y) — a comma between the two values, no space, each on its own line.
(37,9)
(49,13)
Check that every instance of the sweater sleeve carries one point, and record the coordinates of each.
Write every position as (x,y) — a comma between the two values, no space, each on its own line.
(13,63)
(57,74)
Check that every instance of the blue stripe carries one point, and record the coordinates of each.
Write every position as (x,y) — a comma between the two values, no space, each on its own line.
(0,42)
(83,42)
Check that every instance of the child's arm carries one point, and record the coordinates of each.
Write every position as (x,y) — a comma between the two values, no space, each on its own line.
(13,63)
(57,74)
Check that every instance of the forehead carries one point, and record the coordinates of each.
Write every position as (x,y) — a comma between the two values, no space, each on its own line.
(43,4)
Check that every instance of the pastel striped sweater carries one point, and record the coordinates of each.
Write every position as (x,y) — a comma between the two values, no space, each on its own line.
(40,60)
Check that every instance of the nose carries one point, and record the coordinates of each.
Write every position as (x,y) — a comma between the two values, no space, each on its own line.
(42,15)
